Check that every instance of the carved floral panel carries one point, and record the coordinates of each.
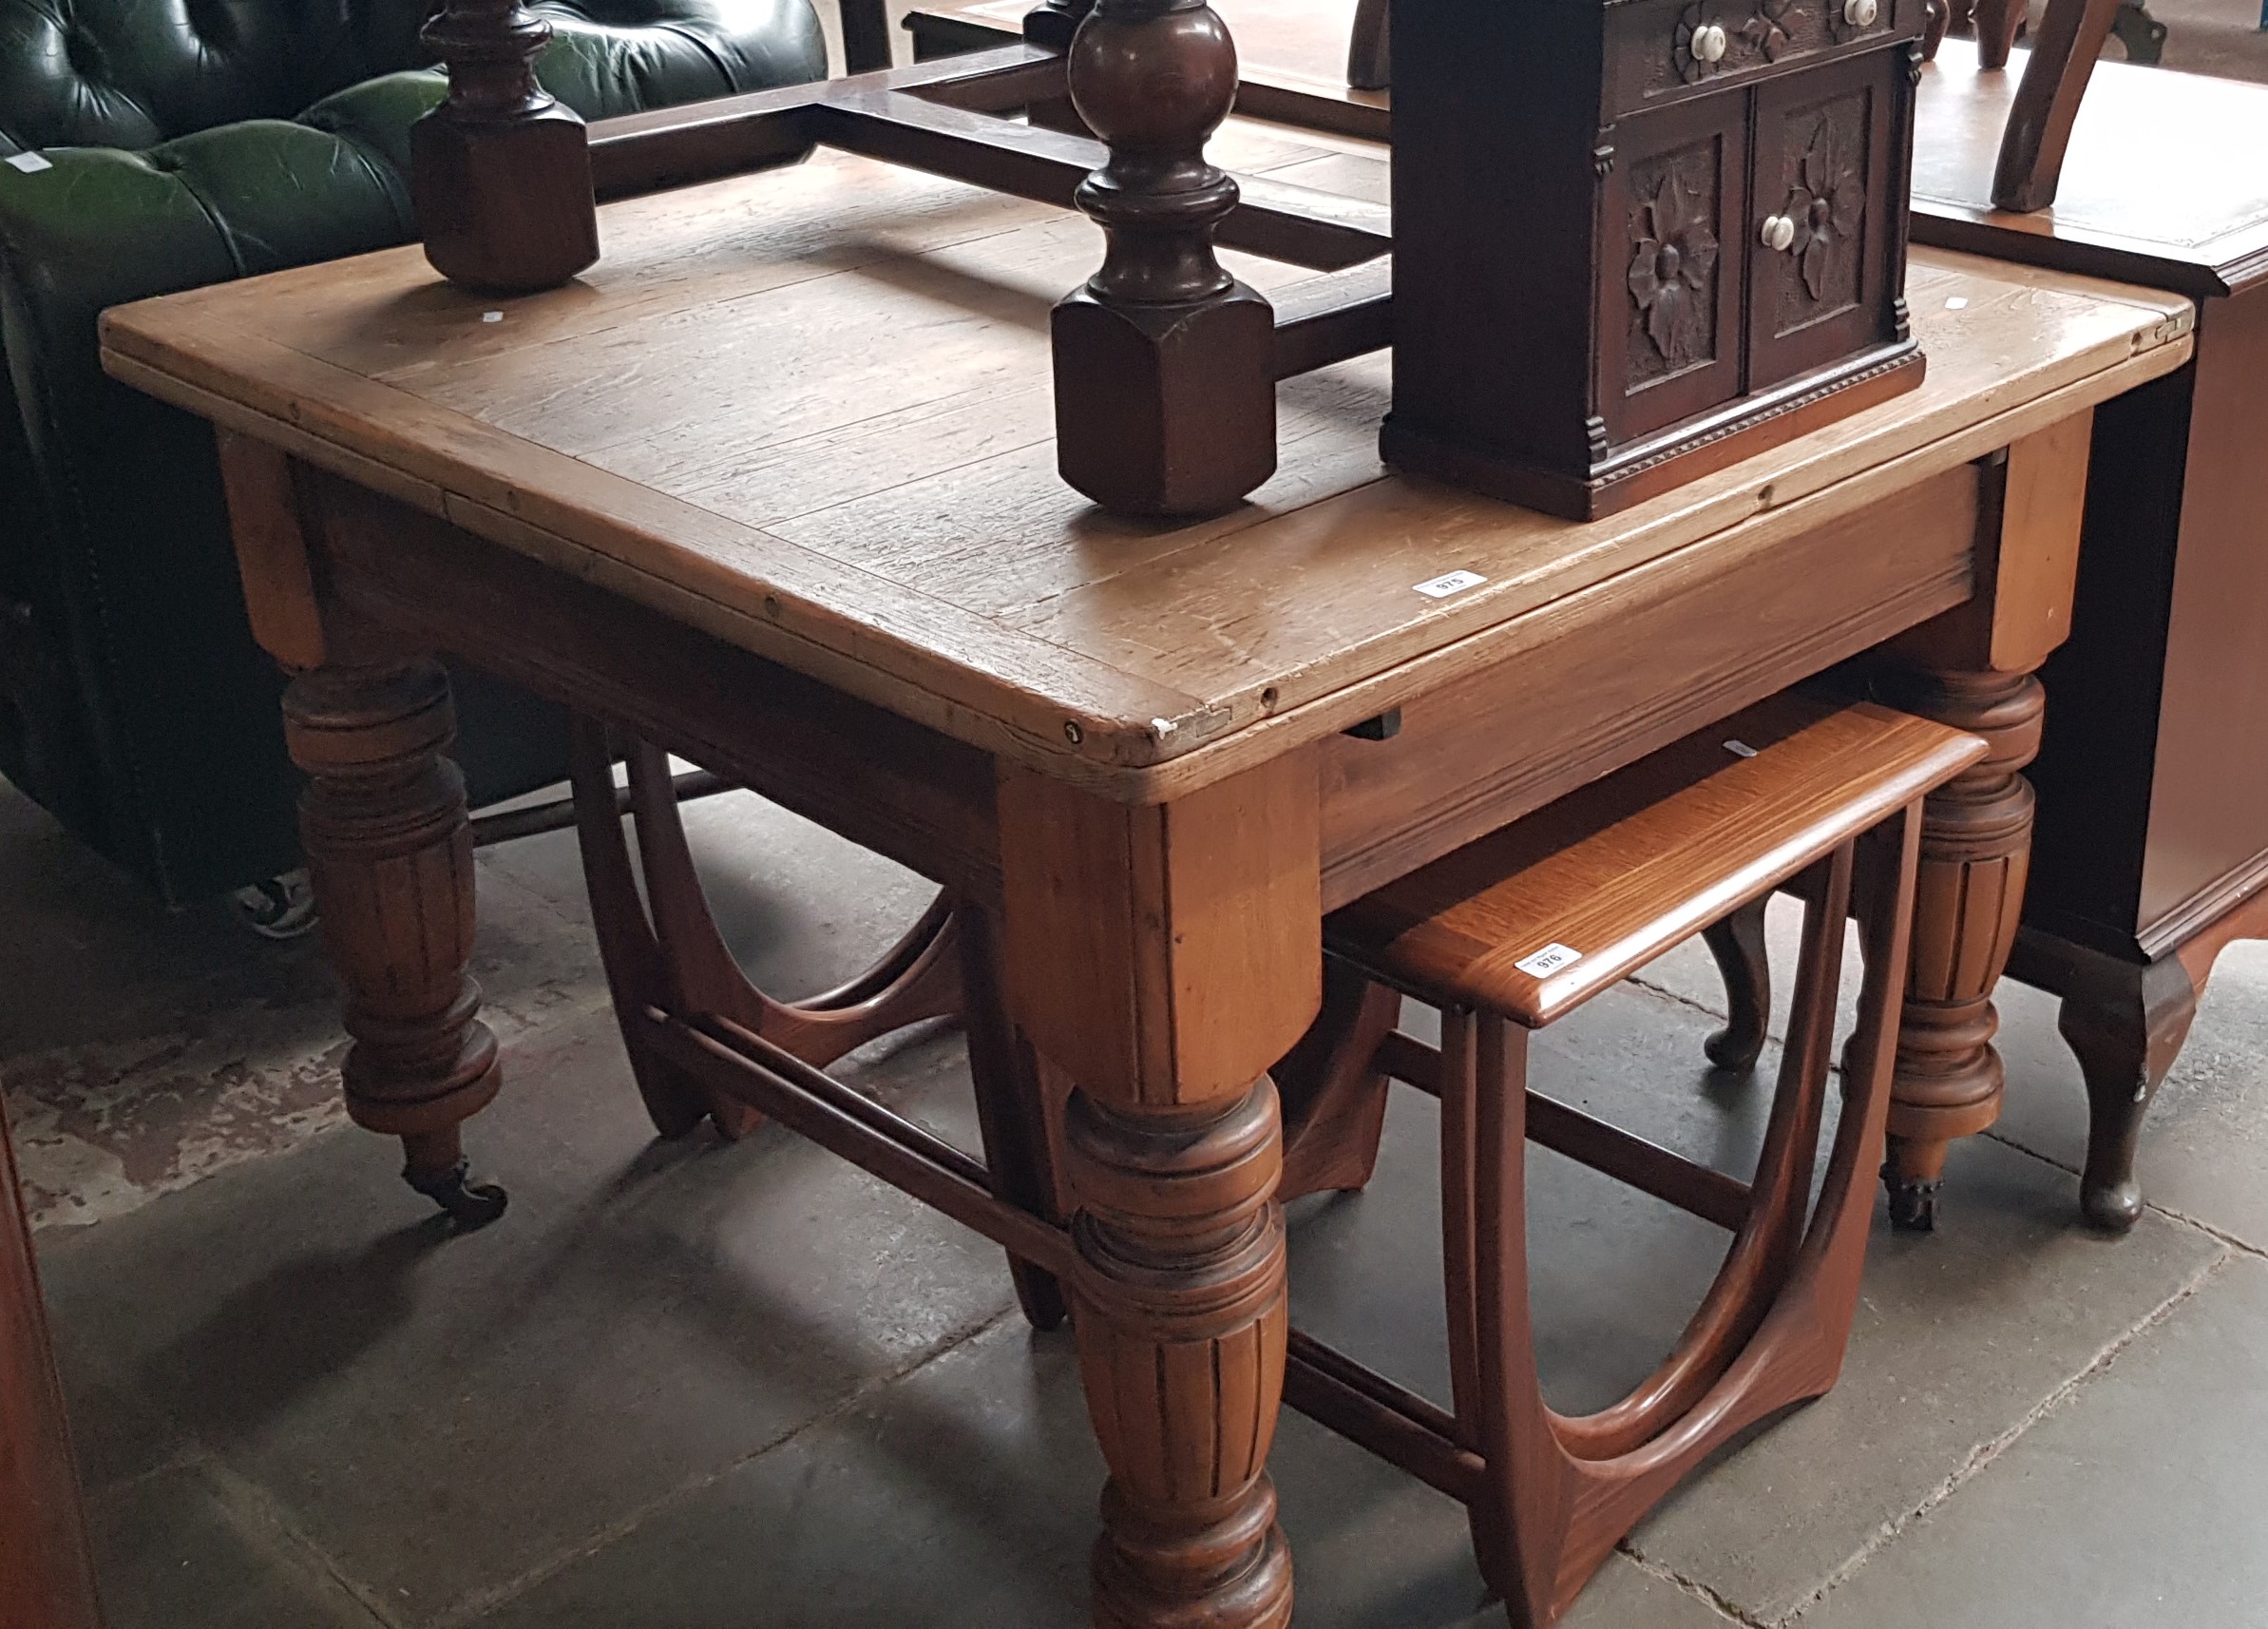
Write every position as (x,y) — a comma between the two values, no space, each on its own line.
(1822,189)
(1673,263)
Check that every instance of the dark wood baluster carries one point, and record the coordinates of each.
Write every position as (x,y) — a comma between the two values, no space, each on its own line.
(1164,363)
(501,172)
(1052,23)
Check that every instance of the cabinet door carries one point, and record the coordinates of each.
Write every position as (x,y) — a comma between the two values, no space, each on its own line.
(1671,209)
(1825,166)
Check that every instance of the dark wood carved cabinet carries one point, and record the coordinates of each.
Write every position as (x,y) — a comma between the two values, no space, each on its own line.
(1720,183)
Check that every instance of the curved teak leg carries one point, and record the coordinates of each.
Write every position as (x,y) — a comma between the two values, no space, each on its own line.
(1998,22)
(1736,942)
(1162,958)
(391,857)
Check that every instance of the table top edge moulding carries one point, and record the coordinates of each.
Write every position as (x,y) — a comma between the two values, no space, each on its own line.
(1057,683)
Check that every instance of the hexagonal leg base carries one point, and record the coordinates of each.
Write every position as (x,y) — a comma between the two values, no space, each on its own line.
(1165,410)
(504,206)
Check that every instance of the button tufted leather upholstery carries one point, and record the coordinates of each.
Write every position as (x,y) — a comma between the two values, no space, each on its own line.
(189,142)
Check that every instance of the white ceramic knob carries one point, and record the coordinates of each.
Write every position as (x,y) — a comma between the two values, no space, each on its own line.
(1779,233)
(1709,40)
(1861,13)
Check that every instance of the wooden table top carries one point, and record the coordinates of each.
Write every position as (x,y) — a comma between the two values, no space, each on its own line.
(808,411)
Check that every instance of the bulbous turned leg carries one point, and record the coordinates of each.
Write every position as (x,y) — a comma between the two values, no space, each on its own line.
(1181,1319)
(390,852)
(1975,850)
(1736,942)
(2126,1029)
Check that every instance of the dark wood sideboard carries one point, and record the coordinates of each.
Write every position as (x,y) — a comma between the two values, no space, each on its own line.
(47,1580)
(2151,849)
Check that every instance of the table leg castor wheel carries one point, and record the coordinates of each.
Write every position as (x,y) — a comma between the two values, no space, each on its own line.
(470,1204)
(1912,1202)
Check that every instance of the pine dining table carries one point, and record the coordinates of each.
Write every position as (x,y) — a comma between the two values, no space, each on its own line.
(771,489)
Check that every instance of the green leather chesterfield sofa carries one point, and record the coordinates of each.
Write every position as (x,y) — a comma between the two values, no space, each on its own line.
(153,146)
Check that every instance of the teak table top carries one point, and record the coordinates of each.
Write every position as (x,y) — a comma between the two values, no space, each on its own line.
(807,410)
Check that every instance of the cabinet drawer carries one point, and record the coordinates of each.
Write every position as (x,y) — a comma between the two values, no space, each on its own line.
(1660,49)
(1673,212)
(1824,286)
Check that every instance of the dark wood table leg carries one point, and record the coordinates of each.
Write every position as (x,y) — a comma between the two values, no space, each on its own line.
(1163,958)
(47,1577)
(1973,668)
(389,852)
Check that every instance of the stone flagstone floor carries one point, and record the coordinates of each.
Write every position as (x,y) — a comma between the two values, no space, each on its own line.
(692,1387)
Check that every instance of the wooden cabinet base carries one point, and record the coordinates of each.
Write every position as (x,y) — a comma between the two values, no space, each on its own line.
(1629,475)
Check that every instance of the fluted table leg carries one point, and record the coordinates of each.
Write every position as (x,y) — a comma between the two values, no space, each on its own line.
(389,852)
(1973,668)
(1163,957)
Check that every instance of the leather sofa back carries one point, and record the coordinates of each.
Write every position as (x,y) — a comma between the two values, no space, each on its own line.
(131,73)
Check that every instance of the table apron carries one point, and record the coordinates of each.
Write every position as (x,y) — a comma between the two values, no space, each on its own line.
(1629,665)
(1603,678)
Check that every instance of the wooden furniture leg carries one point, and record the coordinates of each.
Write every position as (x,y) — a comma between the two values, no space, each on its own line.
(47,1577)
(676,960)
(2064,48)
(1369,47)
(1164,957)
(1334,1095)
(2126,1029)
(1975,845)
(1998,23)
(1164,363)
(390,858)
(1736,942)
(1973,668)
(501,172)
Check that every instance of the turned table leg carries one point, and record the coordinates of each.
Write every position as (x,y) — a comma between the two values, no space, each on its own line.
(1973,668)
(1163,957)
(1975,850)
(389,852)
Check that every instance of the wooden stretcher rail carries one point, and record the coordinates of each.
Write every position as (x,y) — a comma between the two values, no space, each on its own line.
(930,118)
(1372,1411)
(885,1146)
(1645,1166)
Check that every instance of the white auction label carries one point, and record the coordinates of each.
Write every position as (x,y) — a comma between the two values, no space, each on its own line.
(1740,749)
(30,163)
(1547,960)
(1452,583)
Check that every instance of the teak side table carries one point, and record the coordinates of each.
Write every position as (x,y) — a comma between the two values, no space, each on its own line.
(772,487)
